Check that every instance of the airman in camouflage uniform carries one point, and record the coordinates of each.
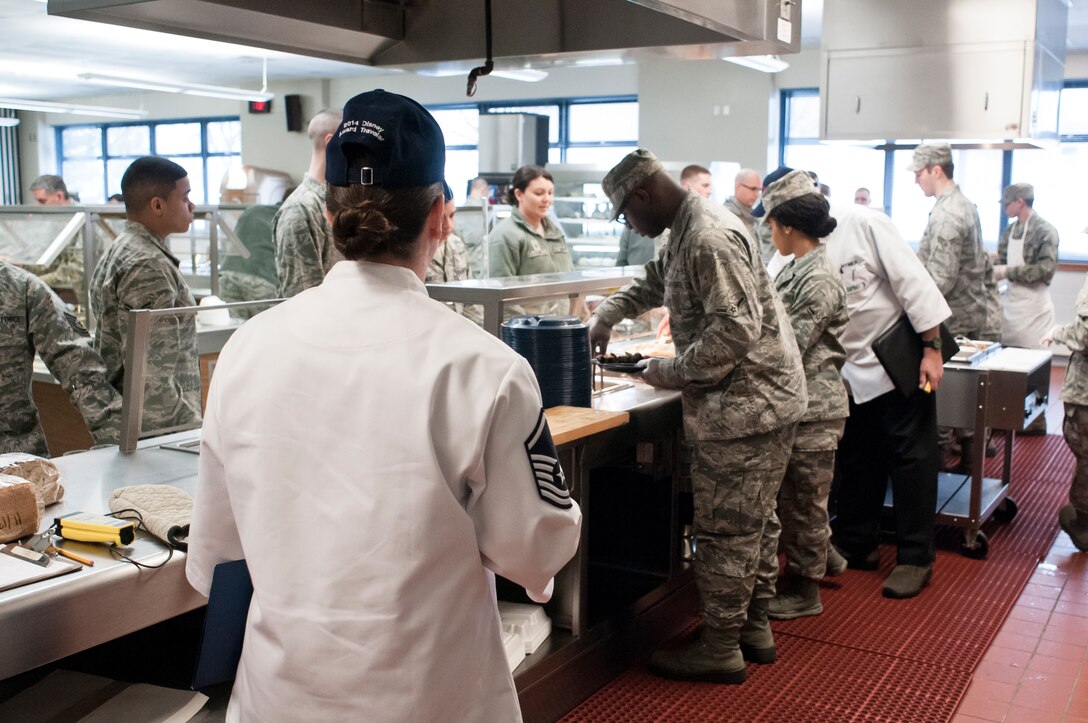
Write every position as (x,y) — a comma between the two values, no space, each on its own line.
(743,391)
(951,248)
(139,272)
(33,320)
(450,263)
(1073,517)
(813,294)
(304,248)
(249,279)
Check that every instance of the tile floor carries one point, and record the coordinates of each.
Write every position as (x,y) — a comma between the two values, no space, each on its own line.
(1036,669)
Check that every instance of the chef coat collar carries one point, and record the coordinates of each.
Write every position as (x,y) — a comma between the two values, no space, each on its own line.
(377,273)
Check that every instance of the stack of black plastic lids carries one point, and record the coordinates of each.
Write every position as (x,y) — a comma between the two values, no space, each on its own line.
(557,348)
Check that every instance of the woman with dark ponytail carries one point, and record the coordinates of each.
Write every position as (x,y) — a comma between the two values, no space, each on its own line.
(813,294)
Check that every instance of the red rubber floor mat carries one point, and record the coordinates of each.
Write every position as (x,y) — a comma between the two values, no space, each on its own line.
(868,658)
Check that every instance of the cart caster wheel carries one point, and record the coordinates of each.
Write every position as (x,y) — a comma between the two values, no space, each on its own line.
(980,550)
(1006,511)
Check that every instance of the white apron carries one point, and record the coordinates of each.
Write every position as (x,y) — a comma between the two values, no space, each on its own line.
(1028,312)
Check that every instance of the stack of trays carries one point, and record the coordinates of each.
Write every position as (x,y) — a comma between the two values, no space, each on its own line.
(557,348)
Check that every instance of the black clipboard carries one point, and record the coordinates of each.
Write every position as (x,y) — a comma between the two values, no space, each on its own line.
(899,350)
(224,625)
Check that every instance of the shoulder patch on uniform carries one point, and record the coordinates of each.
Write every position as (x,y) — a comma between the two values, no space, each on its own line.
(74,323)
(551,485)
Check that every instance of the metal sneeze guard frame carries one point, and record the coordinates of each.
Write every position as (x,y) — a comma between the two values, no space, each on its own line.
(139,334)
(493,293)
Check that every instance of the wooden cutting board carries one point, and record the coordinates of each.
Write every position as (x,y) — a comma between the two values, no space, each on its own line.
(569,424)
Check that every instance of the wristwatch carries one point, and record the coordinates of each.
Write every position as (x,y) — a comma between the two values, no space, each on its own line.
(934,343)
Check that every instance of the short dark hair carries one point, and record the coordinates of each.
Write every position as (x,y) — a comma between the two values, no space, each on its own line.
(368,221)
(692,170)
(948,169)
(50,184)
(808,214)
(522,178)
(148,177)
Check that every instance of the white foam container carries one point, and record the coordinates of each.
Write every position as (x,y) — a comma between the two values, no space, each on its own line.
(530,622)
(515,649)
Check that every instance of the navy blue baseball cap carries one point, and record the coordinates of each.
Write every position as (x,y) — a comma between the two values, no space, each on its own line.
(768,180)
(385,140)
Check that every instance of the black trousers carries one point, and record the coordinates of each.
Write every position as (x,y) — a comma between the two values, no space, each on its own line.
(890,437)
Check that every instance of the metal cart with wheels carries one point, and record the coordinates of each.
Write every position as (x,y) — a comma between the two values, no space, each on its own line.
(1004,390)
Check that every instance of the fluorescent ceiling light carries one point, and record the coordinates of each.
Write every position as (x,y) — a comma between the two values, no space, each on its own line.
(42,106)
(211,91)
(762,63)
(8,122)
(528,75)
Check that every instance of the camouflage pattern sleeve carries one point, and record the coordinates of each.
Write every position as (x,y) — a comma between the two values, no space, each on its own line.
(172,387)
(1075,334)
(297,232)
(941,251)
(1003,246)
(1040,254)
(725,285)
(64,346)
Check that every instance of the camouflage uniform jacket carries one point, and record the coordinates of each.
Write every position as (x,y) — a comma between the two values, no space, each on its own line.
(951,250)
(737,360)
(33,320)
(304,248)
(816,301)
(139,272)
(1040,251)
(744,213)
(516,249)
(450,263)
(767,249)
(1075,336)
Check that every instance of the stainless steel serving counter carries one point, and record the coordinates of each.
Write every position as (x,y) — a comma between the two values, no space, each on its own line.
(54,618)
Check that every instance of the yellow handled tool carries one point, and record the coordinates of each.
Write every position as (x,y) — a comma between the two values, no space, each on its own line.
(95,528)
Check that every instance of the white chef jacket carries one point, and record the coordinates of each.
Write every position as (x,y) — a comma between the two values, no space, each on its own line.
(368,453)
(883,279)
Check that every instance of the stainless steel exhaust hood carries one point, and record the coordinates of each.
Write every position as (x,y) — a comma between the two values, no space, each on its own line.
(449,34)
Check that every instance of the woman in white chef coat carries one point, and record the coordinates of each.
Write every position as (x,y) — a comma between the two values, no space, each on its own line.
(372,457)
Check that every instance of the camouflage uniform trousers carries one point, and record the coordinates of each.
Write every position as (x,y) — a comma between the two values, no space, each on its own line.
(735,485)
(238,286)
(1075,430)
(802,498)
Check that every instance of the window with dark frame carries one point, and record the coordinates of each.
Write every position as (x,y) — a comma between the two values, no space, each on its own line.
(93,157)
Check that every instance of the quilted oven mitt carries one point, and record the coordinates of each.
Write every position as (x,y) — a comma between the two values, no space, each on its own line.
(165,510)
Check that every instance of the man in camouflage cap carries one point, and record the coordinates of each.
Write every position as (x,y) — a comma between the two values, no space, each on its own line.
(731,333)
(304,248)
(33,320)
(952,252)
(140,272)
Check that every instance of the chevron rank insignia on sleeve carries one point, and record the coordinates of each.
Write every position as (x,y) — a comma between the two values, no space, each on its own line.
(551,485)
